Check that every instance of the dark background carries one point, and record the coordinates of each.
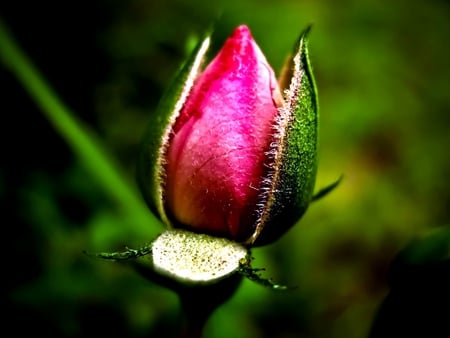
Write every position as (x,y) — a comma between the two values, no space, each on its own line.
(382,72)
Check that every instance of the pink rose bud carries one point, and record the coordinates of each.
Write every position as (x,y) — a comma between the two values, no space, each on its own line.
(229,155)
(217,155)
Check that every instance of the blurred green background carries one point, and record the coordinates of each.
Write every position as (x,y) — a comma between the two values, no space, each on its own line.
(382,72)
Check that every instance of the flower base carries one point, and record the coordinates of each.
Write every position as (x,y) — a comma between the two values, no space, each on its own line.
(192,259)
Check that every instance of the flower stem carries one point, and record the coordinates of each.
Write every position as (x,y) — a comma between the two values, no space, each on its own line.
(198,304)
(82,140)
(197,301)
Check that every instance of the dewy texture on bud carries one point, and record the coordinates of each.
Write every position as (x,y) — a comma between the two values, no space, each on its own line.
(229,155)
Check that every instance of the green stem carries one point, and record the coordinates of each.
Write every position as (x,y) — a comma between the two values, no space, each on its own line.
(197,302)
(84,143)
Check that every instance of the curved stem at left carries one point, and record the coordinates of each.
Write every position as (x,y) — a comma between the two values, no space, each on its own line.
(82,140)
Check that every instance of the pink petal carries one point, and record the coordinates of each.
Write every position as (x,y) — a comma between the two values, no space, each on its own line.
(217,157)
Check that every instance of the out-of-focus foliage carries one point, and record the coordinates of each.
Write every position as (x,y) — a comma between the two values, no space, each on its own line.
(382,73)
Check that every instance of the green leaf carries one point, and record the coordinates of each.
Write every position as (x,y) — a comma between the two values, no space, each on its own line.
(419,279)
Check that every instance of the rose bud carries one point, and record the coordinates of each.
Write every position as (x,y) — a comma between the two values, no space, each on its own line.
(231,152)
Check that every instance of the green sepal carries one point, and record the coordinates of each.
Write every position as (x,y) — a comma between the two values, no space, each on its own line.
(150,161)
(296,160)
(247,271)
(125,255)
(326,190)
